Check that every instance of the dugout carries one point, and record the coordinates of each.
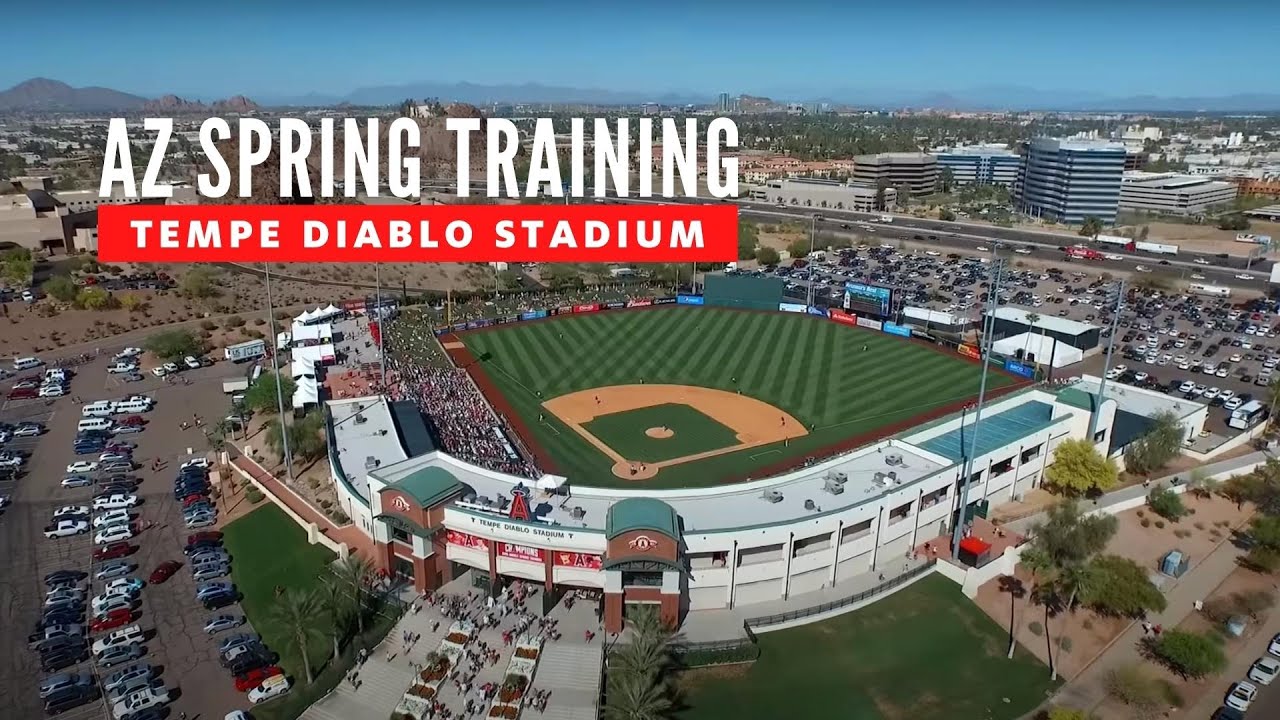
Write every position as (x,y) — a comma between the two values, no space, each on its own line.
(741,291)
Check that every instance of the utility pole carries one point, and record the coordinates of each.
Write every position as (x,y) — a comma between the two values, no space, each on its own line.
(813,230)
(382,327)
(966,466)
(1106,366)
(275,365)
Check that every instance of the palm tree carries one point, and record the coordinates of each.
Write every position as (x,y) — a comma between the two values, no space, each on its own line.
(651,648)
(1038,563)
(1032,319)
(637,697)
(337,609)
(295,610)
(352,575)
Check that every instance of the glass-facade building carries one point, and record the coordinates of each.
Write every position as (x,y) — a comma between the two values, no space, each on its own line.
(1070,180)
(981,165)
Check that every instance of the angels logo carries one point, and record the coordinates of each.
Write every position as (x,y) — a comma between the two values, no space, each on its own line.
(642,543)
(399,503)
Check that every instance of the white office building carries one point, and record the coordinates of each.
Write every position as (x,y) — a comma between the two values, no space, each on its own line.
(1173,193)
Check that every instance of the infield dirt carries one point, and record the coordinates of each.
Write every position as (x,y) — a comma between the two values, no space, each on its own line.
(753,421)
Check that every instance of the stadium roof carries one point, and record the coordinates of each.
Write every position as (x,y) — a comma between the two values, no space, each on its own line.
(1003,428)
(1051,323)
(429,485)
(641,514)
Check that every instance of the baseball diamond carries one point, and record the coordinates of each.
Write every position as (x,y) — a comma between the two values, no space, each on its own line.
(841,386)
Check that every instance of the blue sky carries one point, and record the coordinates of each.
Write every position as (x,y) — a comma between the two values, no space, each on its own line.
(798,47)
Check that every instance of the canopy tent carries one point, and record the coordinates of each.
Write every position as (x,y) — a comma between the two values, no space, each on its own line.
(302,367)
(314,354)
(1035,347)
(550,482)
(314,332)
(307,392)
(319,314)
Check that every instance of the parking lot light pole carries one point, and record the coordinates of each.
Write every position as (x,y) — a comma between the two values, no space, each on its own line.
(1106,364)
(382,319)
(275,365)
(813,231)
(985,343)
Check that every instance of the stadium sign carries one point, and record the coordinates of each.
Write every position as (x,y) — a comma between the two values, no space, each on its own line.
(1018,368)
(896,329)
(842,317)
(689,300)
(869,324)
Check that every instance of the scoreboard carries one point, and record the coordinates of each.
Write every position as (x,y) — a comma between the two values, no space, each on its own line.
(865,299)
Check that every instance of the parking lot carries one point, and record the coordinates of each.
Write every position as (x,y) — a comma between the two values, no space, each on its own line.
(173,620)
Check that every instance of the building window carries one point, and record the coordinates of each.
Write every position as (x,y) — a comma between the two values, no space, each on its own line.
(1030,454)
(1099,436)
(899,513)
(400,535)
(1002,467)
(633,578)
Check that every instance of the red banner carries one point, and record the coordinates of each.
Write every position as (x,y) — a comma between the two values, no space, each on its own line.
(418,233)
(969,351)
(841,316)
(643,302)
(353,305)
(471,542)
(375,332)
(578,560)
(520,552)
(586,308)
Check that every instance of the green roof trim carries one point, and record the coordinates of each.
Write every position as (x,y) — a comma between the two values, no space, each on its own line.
(430,486)
(641,514)
(1078,398)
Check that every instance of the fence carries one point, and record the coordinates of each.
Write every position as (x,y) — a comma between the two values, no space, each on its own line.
(720,652)
(890,584)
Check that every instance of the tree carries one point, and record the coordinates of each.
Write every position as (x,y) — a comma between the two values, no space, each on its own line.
(199,283)
(95,298)
(1202,486)
(904,196)
(637,697)
(560,276)
(296,610)
(133,302)
(61,288)
(16,266)
(508,280)
(748,240)
(1158,447)
(173,344)
(1040,565)
(261,396)
(1079,468)
(1032,318)
(1234,221)
(767,256)
(337,611)
(1137,690)
(799,248)
(353,575)
(1120,586)
(1068,583)
(306,438)
(1189,654)
(1166,503)
(1143,233)
(637,684)
(946,215)
(1091,227)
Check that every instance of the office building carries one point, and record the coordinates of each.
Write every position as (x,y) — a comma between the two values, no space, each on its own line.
(1173,194)
(918,172)
(833,194)
(59,221)
(980,165)
(722,103)
(1069,180)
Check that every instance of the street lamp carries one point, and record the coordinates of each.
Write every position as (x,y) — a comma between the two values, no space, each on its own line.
(275,366)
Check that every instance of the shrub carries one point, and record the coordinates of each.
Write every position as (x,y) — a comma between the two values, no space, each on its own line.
(1160,524)
(1189,654)
(1199,526)
(1087,624)
(208,325)
(1141,513)
(1145,523)
(1131,686)
(1166,503)
(1036,628)
(1064,643)
(254,495)
(235,321)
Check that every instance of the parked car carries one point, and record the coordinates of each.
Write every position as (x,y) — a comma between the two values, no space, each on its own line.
(76,481)
(111,620)
(66,528)
(124,676)
(219,623)
(113,534)
(113,551)
(113,569)
(61,681)
(164,571)
(272,687)
(121,654)
(82,466)
(69,699)
(253,678)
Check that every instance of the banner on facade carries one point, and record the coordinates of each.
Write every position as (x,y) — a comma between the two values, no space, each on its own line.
(520,552)
(578,560)
(466,540)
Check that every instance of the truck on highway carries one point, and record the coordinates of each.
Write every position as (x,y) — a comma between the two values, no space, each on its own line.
(1078,252)
(1210,290)
(886,218)
(246,350)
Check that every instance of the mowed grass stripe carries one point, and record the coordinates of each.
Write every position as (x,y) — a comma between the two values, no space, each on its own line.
(668,337)
(721,333)
(820,386)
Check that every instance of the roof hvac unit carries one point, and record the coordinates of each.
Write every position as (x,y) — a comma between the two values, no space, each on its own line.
(893,459)
(577,513)
(811,506)
(371,463)
(772,496)
(832,486)
(891,476)
(360,419)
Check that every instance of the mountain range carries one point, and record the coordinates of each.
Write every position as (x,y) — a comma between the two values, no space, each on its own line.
(44,94)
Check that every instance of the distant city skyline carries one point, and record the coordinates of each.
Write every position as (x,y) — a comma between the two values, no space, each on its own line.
(800,50)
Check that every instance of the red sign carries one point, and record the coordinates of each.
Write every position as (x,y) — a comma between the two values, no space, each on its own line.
(842,317)
(643,302)
(578,560)
(586,308)
(969,351)
(642,543)
(520,552)
(375,332)
(418,233)
(353,305)
(519,505)
(466,540)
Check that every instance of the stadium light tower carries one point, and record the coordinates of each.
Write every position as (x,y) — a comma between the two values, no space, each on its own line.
(1118,290)
(986,341)
(275,365)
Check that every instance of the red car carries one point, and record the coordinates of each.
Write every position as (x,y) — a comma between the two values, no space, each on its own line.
(23,393)
(164,571)
(111,620)
(132,420)
(254,678)
(113,551)
(190,500)
(213,535)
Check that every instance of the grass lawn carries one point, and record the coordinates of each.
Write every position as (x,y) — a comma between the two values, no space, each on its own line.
(269,550)
(694,432)
(924,653)
(840,381)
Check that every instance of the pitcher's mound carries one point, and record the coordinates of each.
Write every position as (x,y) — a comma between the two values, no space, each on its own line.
(661,433)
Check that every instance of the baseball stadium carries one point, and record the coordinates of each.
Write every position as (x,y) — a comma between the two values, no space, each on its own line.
(706,451)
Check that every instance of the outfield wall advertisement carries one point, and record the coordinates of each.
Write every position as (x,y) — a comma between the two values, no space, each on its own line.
(870,324)
(896,329)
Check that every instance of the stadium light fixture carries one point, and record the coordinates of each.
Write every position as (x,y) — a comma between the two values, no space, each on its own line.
(1118,289)
(275,365)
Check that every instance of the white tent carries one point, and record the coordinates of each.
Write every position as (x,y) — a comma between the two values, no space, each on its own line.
(306,332)
(304,318)
(1041,348)
(314,354)
(550,482)
(302,367)
(319,314)
(307,392)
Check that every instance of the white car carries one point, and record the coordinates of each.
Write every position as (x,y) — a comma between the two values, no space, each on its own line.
(52,391)
(1142,269)
(114,533)
(112,456)
(1210,393)
(122,368)
(1197,276)
(274,686)
(1241,695)
(130,352)
(191,362)
(66,528)
(1274,647)
(112,517)
(71,511)
(1233,403)
(1264,670)
(1022,251)
(1200,261)
(171,367)
(115,502)
(1243,276)
(123,636)
(139,700)
(195,462)
(159,371)
(1113,256)
(1222,372)
(82,466)
(1139,377)
(111,598)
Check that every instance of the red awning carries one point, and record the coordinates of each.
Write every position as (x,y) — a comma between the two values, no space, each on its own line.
(974,546)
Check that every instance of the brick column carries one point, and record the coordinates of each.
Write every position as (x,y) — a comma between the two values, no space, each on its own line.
(613,611)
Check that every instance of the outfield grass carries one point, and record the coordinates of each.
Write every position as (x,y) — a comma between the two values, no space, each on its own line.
(269,550)
(924,653)
(840,381)
(693,432)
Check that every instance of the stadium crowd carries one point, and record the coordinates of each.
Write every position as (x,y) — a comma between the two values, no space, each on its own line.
(464,422)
